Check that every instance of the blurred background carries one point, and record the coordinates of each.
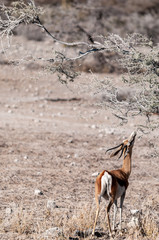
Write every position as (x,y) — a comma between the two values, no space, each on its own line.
(101,17)
(72,20)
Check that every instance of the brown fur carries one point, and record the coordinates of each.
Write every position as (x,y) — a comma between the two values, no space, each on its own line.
(98,184)
(120,177)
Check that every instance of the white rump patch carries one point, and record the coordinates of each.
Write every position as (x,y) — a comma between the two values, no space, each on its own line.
(106,184)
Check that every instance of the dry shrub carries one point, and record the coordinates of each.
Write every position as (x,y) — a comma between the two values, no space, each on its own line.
(149,226)
(18,221)
(149,220)
(79,220)
(40,225)
(148,223)
(83,220)
(101,62)
(146,229)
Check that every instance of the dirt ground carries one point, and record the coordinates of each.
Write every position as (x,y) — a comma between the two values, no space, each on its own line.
(53,138)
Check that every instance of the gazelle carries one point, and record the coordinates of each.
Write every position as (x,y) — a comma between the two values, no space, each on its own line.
(112,185)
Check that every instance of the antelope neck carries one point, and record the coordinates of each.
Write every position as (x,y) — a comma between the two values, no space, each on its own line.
(127,163)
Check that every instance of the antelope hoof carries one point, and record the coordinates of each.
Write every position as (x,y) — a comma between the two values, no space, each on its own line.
(111,235)
(93,234)
(120,233)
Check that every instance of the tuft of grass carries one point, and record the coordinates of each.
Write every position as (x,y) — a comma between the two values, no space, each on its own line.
(75,221)
(149,226)
(148,223)
(19,221)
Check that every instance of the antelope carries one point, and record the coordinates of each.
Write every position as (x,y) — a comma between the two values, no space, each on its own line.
(113,184)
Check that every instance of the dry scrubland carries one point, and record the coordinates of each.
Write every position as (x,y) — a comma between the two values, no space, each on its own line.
(53,138)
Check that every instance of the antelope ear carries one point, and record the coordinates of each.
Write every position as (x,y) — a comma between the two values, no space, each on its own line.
(115,153)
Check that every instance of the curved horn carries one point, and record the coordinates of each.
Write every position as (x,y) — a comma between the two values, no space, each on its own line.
(113,148)
(122,151)
(126,151)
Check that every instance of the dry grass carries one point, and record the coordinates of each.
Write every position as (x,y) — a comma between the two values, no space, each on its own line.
(76,222)
(18,221)
(149,226)
(82,220)
(150,220)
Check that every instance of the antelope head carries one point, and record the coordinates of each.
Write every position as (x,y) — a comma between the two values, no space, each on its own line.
(124,147)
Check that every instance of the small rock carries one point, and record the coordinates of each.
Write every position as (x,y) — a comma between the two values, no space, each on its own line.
(14,106)
(25,157)
(41,114)
(53,232)
(72,164)
(8,211)
(70,141)
(110,131)
(36,120)
(100,135)
(7,106)
(94,112)
(95,174)
(75,155)
(59,114)
(41,106)
(51,204)
(11,151)
(16,160)
(134,222)
(134,211)
(85,144)
(36,89)
(10,111)
(37,192)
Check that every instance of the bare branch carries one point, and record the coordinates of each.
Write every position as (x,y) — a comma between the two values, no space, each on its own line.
(141,67)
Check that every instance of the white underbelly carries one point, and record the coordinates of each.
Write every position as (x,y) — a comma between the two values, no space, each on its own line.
(120,191)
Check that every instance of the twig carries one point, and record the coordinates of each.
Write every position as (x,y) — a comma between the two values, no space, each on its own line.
(38,23)
(122,118)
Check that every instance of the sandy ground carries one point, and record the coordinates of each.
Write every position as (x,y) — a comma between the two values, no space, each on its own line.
(53,138)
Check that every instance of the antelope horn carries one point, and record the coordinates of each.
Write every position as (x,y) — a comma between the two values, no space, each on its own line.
(113,148)
(122,151)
